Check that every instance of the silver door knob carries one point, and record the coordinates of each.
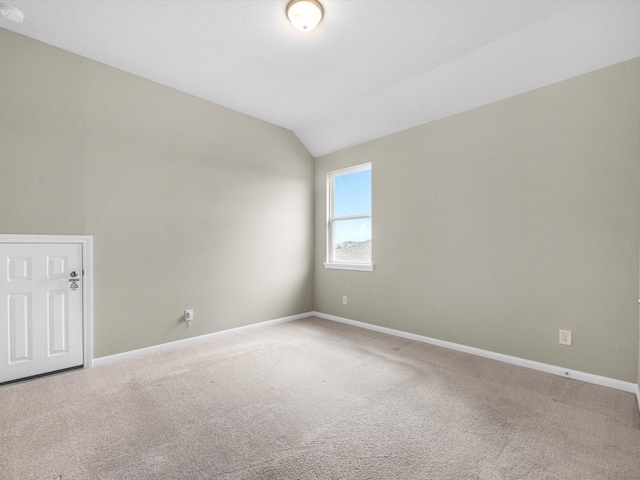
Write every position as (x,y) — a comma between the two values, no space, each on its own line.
(73,274)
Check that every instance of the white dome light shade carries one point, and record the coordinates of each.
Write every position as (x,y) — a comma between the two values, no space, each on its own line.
(12,13)
(305,15)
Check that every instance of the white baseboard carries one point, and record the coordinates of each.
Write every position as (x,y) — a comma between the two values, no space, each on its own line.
(543,367)
(190,341)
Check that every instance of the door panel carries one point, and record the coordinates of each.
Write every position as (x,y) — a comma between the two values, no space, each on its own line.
(41,327)
(19,268)
(57,267)
(58,316)
(20,328)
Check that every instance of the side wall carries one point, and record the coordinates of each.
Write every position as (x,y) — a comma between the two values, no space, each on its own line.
(499,226)
(191,205)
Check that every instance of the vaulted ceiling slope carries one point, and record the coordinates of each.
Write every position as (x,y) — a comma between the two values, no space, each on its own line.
(371,68)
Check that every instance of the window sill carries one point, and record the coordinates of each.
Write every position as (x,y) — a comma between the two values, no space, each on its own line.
(350,266)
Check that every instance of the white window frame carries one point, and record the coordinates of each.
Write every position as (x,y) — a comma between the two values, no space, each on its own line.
(331,219)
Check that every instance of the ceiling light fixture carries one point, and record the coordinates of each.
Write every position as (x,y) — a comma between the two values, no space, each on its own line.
(305,15)
(12,13)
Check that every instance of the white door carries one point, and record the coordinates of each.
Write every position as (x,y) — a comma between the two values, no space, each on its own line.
(40,309)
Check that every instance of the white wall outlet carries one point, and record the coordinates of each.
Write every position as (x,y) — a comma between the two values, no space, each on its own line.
(188,315)
(344,299)
(565,337)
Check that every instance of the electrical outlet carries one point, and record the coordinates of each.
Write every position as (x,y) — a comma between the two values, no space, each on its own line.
(565,337)
(188,315)
(344,299)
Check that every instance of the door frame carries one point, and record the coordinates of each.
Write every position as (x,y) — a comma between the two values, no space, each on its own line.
(86,241)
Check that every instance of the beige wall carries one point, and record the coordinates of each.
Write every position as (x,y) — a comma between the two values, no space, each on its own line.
(191,205)
(497,227)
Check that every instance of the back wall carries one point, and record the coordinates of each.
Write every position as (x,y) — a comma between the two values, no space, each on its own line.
(497,227)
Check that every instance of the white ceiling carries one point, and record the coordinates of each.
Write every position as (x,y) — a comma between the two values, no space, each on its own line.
(371,68)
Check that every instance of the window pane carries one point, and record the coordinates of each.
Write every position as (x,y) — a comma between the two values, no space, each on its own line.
(352,240)
(352,194)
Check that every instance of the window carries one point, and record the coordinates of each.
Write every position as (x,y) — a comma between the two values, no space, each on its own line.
(349,218)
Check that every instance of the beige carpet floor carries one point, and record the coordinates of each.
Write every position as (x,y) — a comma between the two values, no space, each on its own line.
(313,399)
